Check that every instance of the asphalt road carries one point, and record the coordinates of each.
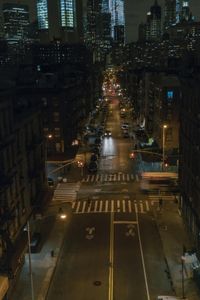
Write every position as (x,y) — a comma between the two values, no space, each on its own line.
(112,249)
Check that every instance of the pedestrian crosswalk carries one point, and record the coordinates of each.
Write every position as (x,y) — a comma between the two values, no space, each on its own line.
(107,206)
(66,192)
(117,177)
(156,198)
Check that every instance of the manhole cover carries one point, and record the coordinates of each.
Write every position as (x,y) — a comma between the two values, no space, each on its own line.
(97,282)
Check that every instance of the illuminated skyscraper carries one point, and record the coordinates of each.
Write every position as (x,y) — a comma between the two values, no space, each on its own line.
(105,6)
(42,14)
(117,14)
(67,11)
(15,21)
(58,18)
(185,13)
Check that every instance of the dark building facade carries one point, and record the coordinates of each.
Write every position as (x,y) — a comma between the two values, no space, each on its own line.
(22,178)
(190,156)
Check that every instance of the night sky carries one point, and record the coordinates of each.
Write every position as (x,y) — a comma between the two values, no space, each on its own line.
(136,10)
(135,13)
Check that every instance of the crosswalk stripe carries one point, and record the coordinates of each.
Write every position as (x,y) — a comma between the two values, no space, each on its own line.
(118,177)
(89,207)
(118,205)
(129,206)
(101,205)
(84,205)
(95,206)
(147,205)
(112,206)
(141,207)
(106,206)
(135,205)
(78,206)
(124,207)
(115,177)
(132,176)
(128,177)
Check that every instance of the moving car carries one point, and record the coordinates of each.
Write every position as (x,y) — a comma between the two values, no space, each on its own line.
(107,133)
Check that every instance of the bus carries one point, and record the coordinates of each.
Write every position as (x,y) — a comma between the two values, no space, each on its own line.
(159,182)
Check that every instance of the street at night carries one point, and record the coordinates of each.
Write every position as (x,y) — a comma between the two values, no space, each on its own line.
(99,150)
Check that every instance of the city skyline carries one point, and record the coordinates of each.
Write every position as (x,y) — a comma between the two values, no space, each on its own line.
(133,17)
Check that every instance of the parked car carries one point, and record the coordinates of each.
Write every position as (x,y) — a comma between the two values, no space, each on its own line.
(96,151)
(35,242)
(125,134)
(92,167)
(50,182)
(124,125)
(93,157)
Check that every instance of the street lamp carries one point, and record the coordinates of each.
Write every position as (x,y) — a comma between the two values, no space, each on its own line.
(163,141)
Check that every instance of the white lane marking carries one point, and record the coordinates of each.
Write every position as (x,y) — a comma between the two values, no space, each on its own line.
(112,206)
(135,205)
(73,204)
(101,205)
(118,205)
(123,206)
(130,230)
(92,178)
(83,208)
(129,206)
(125,222)
(142,256)
(123,177)
(95,206)
(89,207)
(106,206)
(115,177)
(88,178)
(147,205)
(78,206)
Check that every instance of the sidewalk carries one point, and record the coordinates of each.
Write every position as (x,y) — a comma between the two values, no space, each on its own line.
(43,264)
(174,237)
